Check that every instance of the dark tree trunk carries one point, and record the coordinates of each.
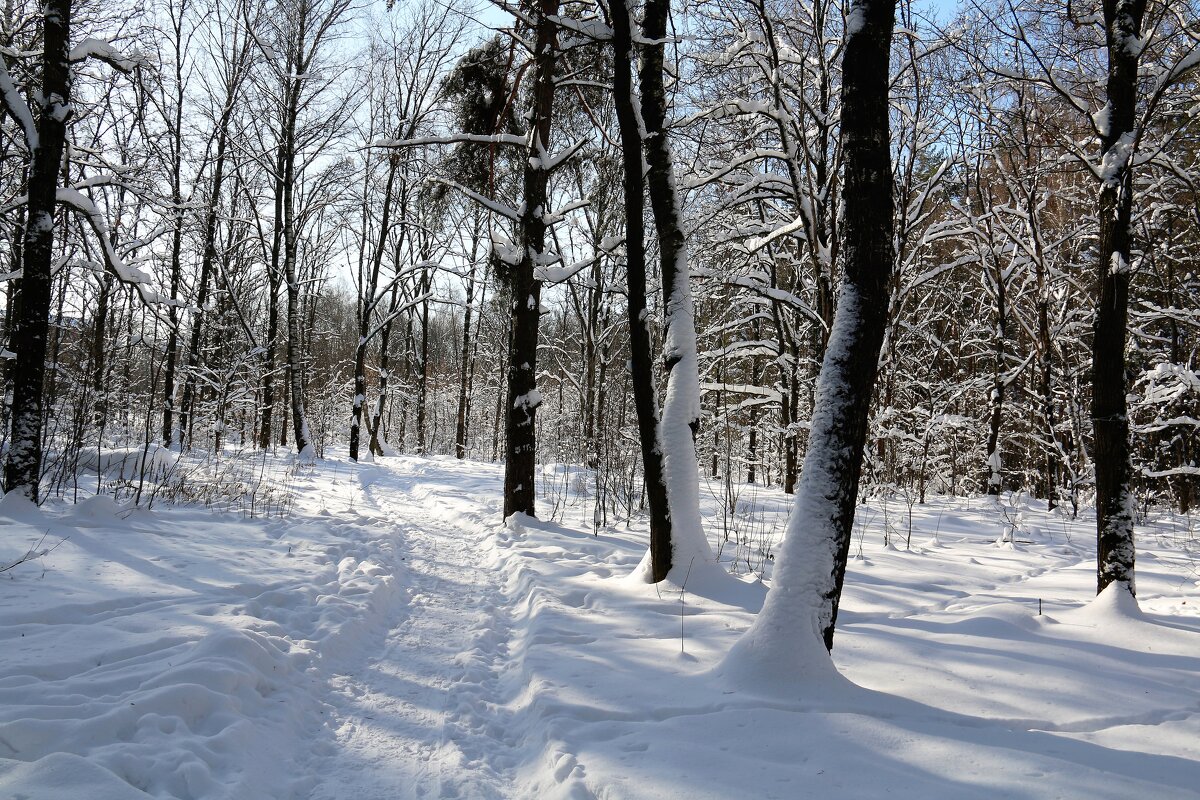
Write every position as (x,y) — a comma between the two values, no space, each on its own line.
(295,354)
(423,373)
(10,305)
(853,363)
(467,361)
(1114,470)
(177,231)
(103,300)
(994,482)
(1046,370)
(640,351)
(23,467)
(287,147)
(266,427)
(176,276)
(385,374)
(360,384)
(755,380)
(520,436)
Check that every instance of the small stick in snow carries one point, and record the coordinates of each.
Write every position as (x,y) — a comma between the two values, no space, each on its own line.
(33,552)
(682,590)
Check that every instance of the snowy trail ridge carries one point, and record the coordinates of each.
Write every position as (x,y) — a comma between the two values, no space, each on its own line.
(390,639)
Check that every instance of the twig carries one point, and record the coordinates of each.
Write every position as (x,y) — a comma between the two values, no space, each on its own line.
(33,552)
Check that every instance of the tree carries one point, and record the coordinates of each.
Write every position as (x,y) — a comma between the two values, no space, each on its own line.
(523,399)
(801,609)
(298,78)
(45,137)
(410,64)
(1110,415)
(680,419)
(641,361)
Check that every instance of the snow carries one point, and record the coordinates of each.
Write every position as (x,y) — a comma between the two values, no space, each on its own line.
(1115,160)
(16,106)
(100,49)
(390,638)
(1101,119)
(127,461)
(528,401)
(854,20)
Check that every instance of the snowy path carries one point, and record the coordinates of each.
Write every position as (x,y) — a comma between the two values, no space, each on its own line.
(412,720)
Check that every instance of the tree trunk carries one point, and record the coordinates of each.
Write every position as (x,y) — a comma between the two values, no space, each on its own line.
(460,428)
(206,268)
(294,349)
(23,466)
(1114,470)
(681,406)
(176,19)
(994,482)
(266,427)
(1046,375)
(795,627)
(640,355)
(755,380)
(523,399)
(11,304)
(423,373)
(385,363)
(103,299)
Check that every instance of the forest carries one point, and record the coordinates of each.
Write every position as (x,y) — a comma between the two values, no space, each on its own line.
(299,224)
(648,264)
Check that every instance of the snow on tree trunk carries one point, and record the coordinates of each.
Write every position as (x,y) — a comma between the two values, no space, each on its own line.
(31,315)
(793,632)
(681,403)
(1114,470)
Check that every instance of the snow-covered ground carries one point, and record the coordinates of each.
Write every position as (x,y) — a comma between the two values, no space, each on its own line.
(387,638)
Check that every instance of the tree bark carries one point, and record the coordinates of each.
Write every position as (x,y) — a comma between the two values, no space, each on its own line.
(1114,470)
(187,401)
(423,374)
(287,146)
(994,482)
(523,400)
(367,304)
(23,466)
(104,295)
(640,354)
(466,362)
(176,233)
(266,426)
